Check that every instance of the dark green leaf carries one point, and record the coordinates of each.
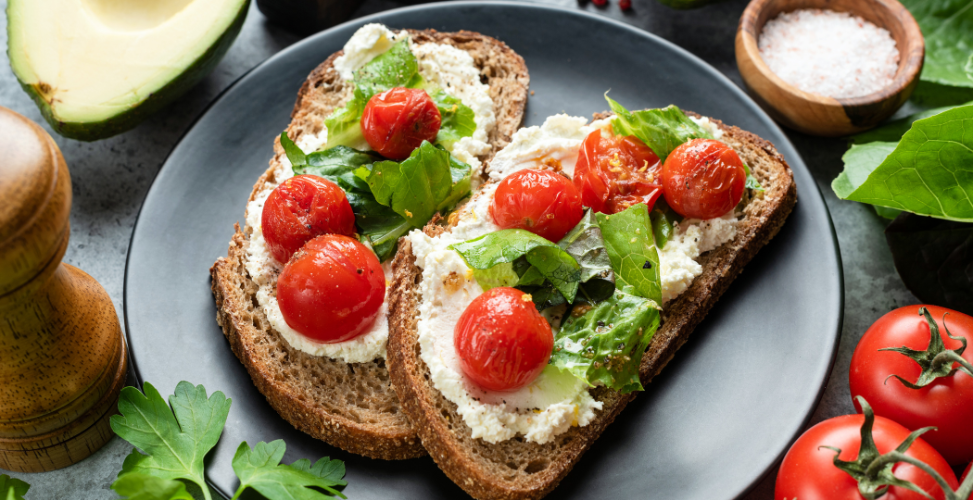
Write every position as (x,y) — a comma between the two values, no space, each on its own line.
(260,469)
(663,218)
(460,174)
(934,95)
(894,130)
(508,245)
(635,260)
(457,118)
(544,295)
(946,26)
(137,486)
(887,213)
(175,441)
(605,344)
(585,243)
(338,165)
(396,67)
(661,129)
(12,488)
(416,187)
(294,153)
(934,257)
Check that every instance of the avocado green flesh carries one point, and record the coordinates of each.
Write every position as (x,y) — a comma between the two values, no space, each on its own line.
(97,68)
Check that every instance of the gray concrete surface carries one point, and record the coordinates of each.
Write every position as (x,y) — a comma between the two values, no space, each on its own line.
(110,179)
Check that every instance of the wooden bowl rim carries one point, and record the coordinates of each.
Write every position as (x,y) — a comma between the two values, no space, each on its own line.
(910,72)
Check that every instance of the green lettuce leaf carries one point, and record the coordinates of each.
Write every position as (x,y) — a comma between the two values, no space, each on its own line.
(12,488)
(138,486)
(946,26)
(294,153)
(418,186)
(928,173)
(892,131)
(260,468)
(396,67)
(631,248)
(457,119)
(751,182)
(605,344)
(344,124)
(508,245)
(175,440)
(661,129)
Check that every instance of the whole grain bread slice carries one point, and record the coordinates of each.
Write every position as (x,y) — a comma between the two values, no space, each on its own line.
(348,405)
(516,469)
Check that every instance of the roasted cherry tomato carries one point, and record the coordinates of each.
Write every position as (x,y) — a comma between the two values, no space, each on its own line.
(946,403)
(614,173)
(301,208)
(502,341)
(540,201)
(703,179)
(395,122)
(808,473)
(332,289)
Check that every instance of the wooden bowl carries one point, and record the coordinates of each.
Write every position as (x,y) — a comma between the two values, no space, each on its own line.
(816,114)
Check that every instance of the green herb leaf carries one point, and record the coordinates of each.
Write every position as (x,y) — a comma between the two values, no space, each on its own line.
(138,486)
(415,187)
(175,441)
(396,67)
(12,488)
(508,245)
(946,26)
(928,173)
(605,344)
(294,153)
(752,182)
(635,260)
(661,129)
(457,118)
(260,469)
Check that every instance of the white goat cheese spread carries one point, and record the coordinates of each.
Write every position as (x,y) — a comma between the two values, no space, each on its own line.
(451,68)
(554,401)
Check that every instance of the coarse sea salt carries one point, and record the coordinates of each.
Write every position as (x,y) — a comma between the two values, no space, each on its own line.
(829,53)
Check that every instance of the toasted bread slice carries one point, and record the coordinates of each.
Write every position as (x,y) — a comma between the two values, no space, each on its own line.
(517,469)
(348,405)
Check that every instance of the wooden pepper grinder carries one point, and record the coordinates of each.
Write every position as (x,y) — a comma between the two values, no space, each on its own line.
(62,356)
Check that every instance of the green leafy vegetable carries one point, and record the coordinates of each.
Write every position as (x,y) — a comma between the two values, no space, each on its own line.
(663,218)
(175,441)
(629,241)
(457,119)
(396,67)
(661,129)
(752,182)
(930,172)
(892,131)
(946,26)
(605,344)
(260,468)
(344,124)
(12,488)
(508,245)
(294,153)
(138,486)
(860,161)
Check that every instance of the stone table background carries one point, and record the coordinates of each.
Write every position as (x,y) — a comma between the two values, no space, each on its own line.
(111,177)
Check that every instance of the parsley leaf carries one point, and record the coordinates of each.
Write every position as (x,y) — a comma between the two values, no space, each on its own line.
(12,488)
(175,441)
(138,486)
(260,468)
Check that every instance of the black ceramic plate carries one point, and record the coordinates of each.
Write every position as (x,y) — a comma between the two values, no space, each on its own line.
(717,418)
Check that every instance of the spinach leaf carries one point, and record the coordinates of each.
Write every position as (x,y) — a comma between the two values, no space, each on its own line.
(294,154)
(605,344)
(934,257)
(860,161)
(661,129)
(396,67)
(137,486)
(260,468)
(12,488)
(893,131)
(635,260)
(585,243)
(417,186)
(928,173)
(508,245)
(457,119)
(663,218)
(946,26)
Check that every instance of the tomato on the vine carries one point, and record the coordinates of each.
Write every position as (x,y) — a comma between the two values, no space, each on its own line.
(395,122)
(616,172)
(301,208)
(332,289)
(703,179)
(540,201)
(809,473)
(502,341)
(946,402)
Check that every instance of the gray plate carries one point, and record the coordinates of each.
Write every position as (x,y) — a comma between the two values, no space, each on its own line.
(721,413)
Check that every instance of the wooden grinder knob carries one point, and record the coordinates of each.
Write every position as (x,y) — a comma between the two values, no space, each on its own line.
(62,355)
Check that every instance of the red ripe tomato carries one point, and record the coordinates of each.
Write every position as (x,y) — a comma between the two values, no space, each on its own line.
(946,403)
(703,179)
(301,208)
(502,341)
(614,173)
(540,201)
(332,289)
(808,473)
(395,122)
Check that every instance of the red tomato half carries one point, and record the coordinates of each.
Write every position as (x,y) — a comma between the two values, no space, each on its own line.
(614,173)
(332,289)
(946,403)
(395,122)
(703,179)
(502,341)
(540,201)
(808,473)
(301,208)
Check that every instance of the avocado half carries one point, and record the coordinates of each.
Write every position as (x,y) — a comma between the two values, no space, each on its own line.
(97,68)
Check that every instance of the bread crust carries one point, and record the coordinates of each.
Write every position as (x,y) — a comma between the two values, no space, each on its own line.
(473,463)
(312,393)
